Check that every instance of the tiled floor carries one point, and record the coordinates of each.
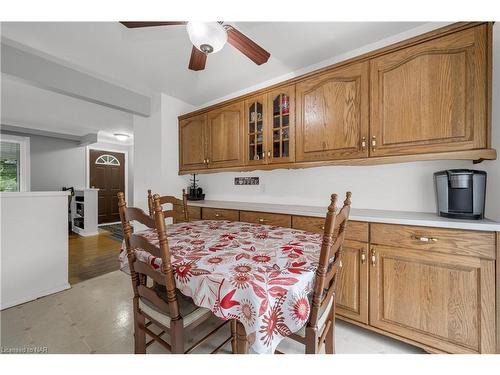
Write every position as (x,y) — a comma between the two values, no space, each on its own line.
(95,316)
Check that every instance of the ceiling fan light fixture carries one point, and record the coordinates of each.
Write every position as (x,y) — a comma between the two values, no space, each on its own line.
(208,37)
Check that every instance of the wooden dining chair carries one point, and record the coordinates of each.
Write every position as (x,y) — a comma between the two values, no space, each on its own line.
(174,201)
(174,314)
(320,329)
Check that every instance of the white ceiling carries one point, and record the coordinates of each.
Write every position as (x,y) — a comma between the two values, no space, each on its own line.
(32,107)
(155,59)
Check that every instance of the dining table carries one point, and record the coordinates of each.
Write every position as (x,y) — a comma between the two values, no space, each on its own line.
(260,275)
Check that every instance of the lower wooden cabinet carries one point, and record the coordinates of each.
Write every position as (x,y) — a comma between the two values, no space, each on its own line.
(220,214)
(194,213)
(440,300)
(266,218)
(352,282)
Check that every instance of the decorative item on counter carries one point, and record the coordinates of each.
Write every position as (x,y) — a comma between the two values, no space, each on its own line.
(285,107)
(195,192)
(246,180)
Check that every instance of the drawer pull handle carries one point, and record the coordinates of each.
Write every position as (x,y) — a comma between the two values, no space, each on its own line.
(261,220)
(322,227)
(363,257)
(217,215)
(374,259)
(425,239)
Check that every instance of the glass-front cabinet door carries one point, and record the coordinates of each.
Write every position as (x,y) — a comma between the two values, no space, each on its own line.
(281,125)
(256,123)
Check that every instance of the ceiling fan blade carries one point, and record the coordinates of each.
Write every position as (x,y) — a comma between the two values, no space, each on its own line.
(197,60)
(247,46)
(136,24)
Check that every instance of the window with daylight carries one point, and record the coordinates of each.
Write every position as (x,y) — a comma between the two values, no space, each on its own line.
(14,163)
(107,160)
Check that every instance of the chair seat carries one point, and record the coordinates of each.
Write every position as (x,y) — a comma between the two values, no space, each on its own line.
(189,312)
(321,321)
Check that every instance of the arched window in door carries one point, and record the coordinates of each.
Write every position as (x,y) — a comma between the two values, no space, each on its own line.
(107,160)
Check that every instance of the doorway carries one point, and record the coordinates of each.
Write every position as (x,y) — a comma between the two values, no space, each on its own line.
(107,173)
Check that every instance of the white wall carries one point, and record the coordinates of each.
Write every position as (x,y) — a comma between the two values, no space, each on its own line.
(156,150)
(404,187)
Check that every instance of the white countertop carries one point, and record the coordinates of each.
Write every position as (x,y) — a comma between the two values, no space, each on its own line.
(17,194)
(427,219)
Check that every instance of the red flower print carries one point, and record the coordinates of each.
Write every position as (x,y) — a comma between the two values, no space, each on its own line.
(243,268)
(184,270)
(261,235)
(292,247)
(261,258)
(197,242)
(215,260)
(241,280)
(274,323)
(227,302)
(247,311)
(299,309)
(293,256)
(228,237)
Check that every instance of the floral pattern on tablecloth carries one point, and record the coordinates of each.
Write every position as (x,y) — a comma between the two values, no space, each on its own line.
(258,274)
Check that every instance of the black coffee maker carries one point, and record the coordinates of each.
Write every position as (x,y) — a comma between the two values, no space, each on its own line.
(195,192)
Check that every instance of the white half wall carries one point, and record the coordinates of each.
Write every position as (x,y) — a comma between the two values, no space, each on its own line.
(34,265)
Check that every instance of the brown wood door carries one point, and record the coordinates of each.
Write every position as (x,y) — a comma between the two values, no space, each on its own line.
(256,124)
(107,173)
(225,132)
(444,301)
(281,125)
(332,115)
(430,97)
(352,282)
(192,143)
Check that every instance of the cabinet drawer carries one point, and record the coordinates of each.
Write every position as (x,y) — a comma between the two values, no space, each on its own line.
(356,230)
(194,213)
(219,214)
(266,218)
(450,241)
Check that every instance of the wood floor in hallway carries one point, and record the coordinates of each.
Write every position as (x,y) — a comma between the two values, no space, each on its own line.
(92,256)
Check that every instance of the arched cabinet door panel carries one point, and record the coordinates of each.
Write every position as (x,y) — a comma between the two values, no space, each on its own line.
(192,147)
(430,97)
(225,134)
(332,115)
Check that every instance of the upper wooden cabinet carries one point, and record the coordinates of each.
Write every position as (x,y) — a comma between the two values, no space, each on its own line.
(224,137)
(192,144)
(431,97)
(426,98)
(281,125)
(270,127)
(332,115)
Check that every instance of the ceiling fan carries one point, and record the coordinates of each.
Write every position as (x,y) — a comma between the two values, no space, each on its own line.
(210,37)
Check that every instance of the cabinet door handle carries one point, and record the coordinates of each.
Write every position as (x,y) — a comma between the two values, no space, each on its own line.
(363,257)
(426,239)
(208,161)
(374,259)
(374,143)
(269,154)
(204,161)
(363,144)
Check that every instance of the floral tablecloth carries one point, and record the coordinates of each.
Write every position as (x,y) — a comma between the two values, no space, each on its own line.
(258,274)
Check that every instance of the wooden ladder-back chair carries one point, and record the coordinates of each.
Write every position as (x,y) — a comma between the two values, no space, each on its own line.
(174,313)
(175,202)
(320,329)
